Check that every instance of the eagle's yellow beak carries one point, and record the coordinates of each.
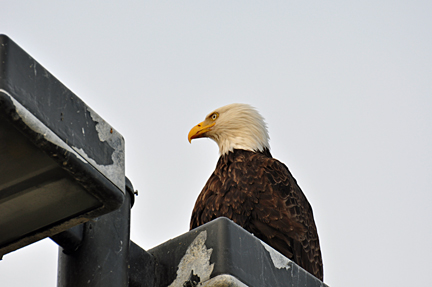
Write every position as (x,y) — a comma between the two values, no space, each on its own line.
(199,130)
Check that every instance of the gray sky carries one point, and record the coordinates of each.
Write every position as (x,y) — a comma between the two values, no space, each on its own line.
(345,87)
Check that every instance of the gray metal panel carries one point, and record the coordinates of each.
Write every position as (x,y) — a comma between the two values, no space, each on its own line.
(60,163)
(221,247)
(28,83)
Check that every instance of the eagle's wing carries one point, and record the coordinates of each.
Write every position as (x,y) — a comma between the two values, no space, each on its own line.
(260,194)
(294,232)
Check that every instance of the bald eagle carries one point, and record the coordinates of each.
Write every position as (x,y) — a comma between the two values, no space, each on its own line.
(255,190)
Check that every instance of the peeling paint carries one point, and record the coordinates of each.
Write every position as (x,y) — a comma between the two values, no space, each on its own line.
(102,127)
(196,261)
(106,133)
(223,280)
(34,68)
(114,172)
(35,125)
(279,261)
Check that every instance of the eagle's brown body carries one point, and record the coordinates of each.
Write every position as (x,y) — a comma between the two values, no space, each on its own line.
(259,193)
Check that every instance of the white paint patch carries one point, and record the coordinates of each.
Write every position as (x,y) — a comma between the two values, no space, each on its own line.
(113,172)
(34,68)
(35,125)
(105,131)
(279,261)
(196,260)
(116,171)
(223,280)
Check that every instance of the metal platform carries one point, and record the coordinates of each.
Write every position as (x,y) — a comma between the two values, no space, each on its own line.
(221,253)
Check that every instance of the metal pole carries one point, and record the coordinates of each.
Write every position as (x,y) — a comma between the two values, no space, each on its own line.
(102,257)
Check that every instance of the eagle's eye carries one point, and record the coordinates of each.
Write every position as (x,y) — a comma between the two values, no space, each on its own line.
(214,116)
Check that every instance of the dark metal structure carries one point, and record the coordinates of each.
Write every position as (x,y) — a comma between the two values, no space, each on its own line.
(101,258)
(60,163)
(62,176)
(221,253)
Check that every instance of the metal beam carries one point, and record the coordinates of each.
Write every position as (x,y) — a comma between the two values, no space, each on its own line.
(102,257)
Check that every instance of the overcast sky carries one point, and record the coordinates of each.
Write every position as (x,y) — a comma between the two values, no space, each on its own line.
(345,87)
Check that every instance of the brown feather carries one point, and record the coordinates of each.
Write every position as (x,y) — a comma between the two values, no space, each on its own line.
(259,193)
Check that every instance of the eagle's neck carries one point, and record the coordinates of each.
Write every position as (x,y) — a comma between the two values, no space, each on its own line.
(229,141)
(226,146)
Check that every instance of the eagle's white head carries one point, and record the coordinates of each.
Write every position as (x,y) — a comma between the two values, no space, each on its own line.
(234,126)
